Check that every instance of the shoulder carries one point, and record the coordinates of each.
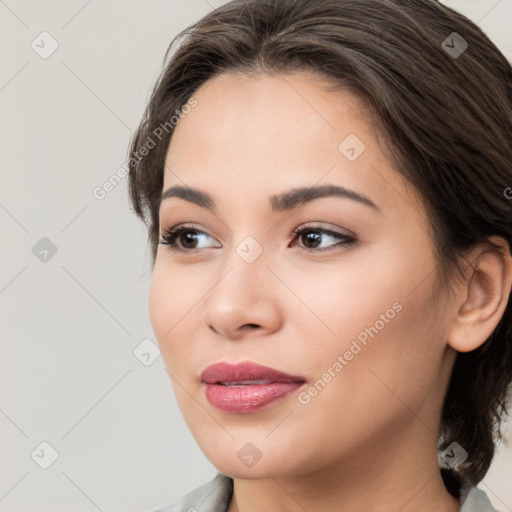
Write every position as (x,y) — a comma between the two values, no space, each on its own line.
(475,500)
(213,496)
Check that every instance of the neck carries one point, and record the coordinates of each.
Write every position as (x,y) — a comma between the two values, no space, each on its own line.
(382,479)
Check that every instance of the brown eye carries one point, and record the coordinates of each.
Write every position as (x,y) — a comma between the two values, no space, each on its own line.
(313,237)
(187,238)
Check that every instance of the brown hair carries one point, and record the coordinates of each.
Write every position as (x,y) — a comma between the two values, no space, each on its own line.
(447,123)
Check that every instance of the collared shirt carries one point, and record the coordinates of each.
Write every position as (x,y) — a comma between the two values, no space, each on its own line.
(215,496)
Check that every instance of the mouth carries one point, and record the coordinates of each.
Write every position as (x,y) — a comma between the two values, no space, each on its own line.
(246,387)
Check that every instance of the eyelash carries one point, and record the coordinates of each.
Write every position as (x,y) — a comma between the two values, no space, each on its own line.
(170,236)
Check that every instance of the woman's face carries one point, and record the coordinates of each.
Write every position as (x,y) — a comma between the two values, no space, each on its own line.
(357,321)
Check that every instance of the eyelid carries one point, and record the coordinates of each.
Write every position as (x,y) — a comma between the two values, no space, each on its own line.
(321,226)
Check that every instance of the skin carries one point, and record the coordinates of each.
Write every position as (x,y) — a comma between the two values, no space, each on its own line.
(368,440)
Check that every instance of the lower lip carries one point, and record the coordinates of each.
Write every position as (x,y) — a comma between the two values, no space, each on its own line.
(248,398)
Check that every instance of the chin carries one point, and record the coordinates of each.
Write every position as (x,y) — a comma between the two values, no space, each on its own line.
(242,458)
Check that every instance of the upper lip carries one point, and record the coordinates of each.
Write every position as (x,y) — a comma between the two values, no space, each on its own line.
(244,371)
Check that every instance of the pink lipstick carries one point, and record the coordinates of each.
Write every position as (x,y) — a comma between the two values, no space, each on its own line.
(246,387)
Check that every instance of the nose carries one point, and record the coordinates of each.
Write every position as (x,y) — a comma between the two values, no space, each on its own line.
(244,299)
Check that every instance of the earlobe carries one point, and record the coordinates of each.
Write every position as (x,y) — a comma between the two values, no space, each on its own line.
(487,293)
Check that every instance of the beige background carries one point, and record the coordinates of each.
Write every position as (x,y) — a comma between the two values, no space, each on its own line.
(69,325)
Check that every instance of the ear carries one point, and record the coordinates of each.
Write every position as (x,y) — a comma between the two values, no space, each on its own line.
(483,296)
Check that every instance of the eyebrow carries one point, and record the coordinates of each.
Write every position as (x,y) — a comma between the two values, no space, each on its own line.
(278,203)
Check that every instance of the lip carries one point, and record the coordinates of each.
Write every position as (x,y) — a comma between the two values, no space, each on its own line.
(246,397)
(244,371)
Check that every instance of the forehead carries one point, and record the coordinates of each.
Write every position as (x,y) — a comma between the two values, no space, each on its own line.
(272,133)
(292,109)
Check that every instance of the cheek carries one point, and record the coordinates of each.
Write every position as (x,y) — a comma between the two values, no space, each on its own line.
(160,303)
(376,305)
(388,338)
(339,300)
(172,314)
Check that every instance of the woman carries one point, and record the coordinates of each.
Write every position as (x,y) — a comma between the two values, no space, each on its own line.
(327,187)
